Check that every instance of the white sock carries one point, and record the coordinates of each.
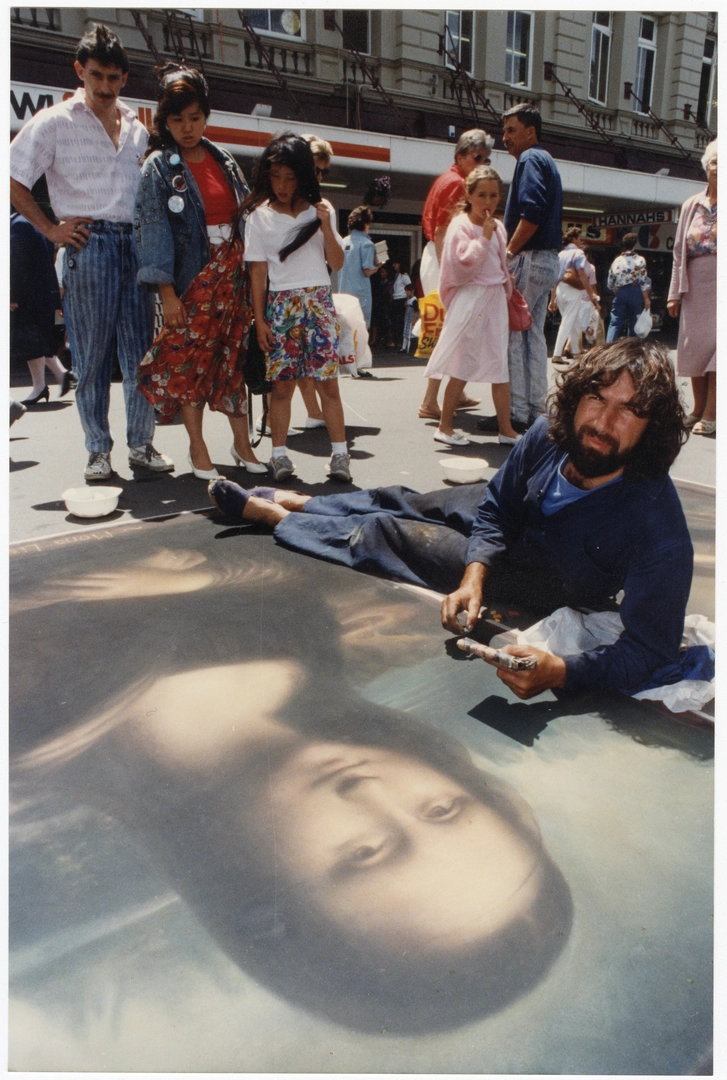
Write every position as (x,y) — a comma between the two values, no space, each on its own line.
(279,451)
(338,448)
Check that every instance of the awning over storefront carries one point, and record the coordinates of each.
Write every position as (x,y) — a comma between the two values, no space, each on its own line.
(590,190)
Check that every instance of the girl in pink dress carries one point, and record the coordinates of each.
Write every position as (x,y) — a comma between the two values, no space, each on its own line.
(474,285)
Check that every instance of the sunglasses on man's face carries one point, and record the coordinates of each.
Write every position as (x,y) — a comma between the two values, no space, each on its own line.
(481,159)
(321,173)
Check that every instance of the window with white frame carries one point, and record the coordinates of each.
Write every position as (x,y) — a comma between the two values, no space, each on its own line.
(283,22)
(356,27)
(517,49)
(458,38)
(600,56)
(196,13)
(645,64)
(707,81)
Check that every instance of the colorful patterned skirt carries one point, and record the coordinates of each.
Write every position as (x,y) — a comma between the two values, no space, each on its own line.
(204,363)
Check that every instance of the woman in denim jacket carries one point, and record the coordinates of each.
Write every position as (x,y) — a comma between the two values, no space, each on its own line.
(188,194)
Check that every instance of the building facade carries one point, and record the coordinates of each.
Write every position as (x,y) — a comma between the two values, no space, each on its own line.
(628,98)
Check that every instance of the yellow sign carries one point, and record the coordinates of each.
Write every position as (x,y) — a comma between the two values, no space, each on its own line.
(431,311)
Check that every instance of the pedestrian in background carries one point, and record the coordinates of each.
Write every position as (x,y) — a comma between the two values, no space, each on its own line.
(411,314)
(693,288)
(474,284)
(90,148)
(359,260)
(381,289)
(188,195)
(34,301)
(398,299)
(629,281)
(575,280)
(445,195)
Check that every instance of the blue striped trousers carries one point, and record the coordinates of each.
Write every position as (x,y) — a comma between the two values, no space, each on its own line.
(104,307)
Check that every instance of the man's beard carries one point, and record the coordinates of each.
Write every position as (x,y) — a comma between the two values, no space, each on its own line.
(590,463)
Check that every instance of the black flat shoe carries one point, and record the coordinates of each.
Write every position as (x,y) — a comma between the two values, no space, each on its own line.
(44,395)
(70,382)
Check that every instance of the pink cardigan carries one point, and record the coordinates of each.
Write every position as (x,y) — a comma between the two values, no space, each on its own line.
(470,259)
(680,266)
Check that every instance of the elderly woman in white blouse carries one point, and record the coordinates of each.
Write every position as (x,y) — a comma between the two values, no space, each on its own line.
(694,289)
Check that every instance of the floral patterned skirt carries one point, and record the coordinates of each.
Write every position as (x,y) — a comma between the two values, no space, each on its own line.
(204,363)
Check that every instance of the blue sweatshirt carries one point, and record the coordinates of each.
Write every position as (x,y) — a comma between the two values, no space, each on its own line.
(631,536)
(536,194)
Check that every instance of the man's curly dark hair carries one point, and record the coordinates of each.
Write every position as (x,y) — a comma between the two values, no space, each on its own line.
(658,399)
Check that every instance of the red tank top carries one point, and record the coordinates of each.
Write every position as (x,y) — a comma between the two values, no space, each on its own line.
(217,195)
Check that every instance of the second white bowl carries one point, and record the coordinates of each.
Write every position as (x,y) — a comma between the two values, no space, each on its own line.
(464,470)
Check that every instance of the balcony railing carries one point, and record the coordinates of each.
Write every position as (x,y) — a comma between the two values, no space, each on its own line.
(287,60)
(353,72)
(513,97)
(642,129)
(607,120)
(38,18)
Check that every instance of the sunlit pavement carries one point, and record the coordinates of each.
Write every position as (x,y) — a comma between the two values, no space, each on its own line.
(389,445)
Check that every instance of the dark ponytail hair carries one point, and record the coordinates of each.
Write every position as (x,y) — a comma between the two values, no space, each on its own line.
(179,87)
(295,153)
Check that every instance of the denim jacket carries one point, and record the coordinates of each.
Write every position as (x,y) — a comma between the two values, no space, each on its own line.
(172,247)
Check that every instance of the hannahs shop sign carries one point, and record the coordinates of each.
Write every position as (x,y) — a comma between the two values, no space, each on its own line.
(636,217)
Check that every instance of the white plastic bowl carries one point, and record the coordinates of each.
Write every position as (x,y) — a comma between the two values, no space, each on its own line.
(464,470)
(91,502)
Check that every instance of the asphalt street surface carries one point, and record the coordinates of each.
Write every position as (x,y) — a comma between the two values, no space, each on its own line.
(388,443)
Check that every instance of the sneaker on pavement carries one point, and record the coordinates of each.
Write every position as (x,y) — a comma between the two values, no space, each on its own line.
(98,467)
(149,458)
(281,468)
(339,468)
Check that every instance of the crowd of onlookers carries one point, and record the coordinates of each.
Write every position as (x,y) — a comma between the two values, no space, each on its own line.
(164,221)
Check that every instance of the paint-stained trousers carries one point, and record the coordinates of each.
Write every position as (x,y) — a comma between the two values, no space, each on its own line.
(104,307)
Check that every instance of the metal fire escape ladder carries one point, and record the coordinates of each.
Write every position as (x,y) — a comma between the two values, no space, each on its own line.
(373,78)
(143,30)
(269,62)
(462,82)
(592,120)
(629,93)
(175,36)
(689,115)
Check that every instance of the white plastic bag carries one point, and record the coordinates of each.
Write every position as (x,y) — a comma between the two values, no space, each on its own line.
(353,348)
(567,632)
(642,327)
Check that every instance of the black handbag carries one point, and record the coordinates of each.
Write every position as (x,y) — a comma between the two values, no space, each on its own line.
(255,377)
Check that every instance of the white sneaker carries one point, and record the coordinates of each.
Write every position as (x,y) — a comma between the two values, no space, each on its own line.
(311,422)
(98,467)
(149,458)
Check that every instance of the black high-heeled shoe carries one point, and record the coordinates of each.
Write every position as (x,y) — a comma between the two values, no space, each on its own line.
(44,395)
(70,382)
